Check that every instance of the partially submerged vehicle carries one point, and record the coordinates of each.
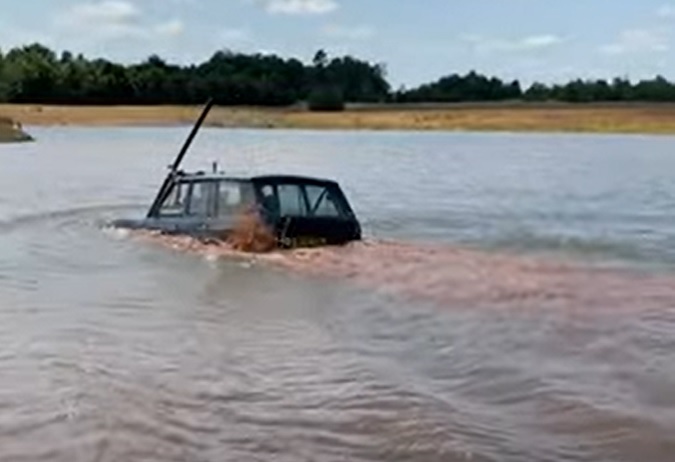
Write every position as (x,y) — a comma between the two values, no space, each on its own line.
(298,211)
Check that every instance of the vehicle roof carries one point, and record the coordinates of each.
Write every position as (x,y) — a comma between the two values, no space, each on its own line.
(293,179)
(278,178)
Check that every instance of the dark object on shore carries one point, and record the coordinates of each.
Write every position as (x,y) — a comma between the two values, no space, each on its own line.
(326,99)
(295,211)
(12,132)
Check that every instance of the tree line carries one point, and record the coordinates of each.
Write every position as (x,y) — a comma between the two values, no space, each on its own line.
(36,74)
(474,87)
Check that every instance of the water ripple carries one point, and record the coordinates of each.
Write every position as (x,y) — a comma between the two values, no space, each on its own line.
(476,330)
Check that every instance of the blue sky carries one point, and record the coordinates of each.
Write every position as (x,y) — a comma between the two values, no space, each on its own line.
(418,41)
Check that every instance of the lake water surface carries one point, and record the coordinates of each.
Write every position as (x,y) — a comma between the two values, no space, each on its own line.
(514,301)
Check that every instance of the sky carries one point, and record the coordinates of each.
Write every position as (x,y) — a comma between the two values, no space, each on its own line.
(418,41)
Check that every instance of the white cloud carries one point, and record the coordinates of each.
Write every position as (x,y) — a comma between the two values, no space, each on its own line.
(348,32)
(234,35)
(113,19)
(299,7)
(666,11)
(638,41)
(530,43)
(107,11)
(172,28)
(539,41)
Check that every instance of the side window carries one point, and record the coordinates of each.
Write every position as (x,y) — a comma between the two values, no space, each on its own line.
(232,196)
(322,202)
(291,200)
(201,200)
(174,204)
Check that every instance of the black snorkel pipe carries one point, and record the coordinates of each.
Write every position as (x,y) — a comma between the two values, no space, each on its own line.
(163,190)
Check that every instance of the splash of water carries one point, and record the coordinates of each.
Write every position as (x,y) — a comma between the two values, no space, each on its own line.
(250,234)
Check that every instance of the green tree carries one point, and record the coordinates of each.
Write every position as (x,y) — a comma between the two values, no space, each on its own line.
(35,74)
(4,80)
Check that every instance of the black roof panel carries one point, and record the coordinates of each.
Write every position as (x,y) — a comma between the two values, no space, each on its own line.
(292,179)
(269,178)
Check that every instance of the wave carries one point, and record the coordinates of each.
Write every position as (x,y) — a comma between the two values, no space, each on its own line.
(20,221)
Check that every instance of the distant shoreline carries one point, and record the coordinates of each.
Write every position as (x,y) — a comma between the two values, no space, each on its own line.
(646,118)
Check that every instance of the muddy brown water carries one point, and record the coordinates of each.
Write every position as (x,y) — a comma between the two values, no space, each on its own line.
(514,300)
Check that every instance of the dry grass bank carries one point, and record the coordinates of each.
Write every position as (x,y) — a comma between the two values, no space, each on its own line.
(601,118)
(30,114)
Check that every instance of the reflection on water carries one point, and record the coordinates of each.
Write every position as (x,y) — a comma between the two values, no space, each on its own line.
(468,325)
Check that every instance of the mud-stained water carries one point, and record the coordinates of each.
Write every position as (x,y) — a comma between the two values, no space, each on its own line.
(512,301)
(456,276)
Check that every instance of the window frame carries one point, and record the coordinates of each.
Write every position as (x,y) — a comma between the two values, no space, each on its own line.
(341,207)
(162,211)
(321,198)
(302,196)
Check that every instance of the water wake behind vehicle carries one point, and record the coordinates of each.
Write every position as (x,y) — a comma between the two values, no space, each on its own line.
(457,276)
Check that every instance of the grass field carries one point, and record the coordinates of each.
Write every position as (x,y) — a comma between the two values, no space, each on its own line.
(599,118)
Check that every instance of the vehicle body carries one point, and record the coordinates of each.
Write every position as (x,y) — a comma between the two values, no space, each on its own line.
(296,211)
(299,210)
